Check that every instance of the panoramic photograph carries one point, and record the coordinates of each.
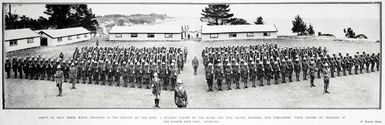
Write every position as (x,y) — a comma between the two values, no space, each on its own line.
(199,56)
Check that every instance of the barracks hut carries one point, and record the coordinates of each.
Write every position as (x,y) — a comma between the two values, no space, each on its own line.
(238,32)
(17,39)
(54,37)
(146,33)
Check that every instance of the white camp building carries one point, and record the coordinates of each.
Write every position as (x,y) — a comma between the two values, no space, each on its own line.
(54,37)
(146,33)
(238,32)
(20,39)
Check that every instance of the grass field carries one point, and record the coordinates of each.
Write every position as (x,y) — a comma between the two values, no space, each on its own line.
(356,91)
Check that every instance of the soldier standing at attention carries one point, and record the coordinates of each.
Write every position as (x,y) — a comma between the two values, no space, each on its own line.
(117,74)
(332,66)
(132,75)
(268,72)
(283,71)
(326,78)
(156,89)
(236,74)
(72,74)
(146,75)
(367,63)
(195,64)
(139,71)
(210,76)
(173,75)
(305,67)
(356,64)
(14,66)
(180,95)
(372,62)
(290,70)
(245,73)
(219,74)
(8,68)
(125,71)
(312,70)
(59,79)
(339,66)
(319,66)
(260,72)
(228,74)
(297,68)
(276,71)
(253,73)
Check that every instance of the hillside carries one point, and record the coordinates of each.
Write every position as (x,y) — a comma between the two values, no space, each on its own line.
(107,21)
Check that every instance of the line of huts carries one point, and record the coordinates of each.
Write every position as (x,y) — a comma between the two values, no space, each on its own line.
(26,38)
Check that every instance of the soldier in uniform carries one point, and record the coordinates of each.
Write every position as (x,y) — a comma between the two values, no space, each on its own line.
(195,64)
(117,73)
(210,76)
(290,68)
(276,71)
(245,73)
(356,64)
(66,68)
(139,72)
(372,62)
(268,72)
(253,73)
(72,74)
(260,73)
(83,72)
(326,78)
(50,69)
(236,74)
(339,66)
(180,95)
(96,71)
(312,70)
(15,66)
(20,67)
(61,55)
(126,69)
(104,72)
(146,75)
(344,65)
(305,67)
(89,72)
(219,74)
(110,73)
(297,69)
(26,68)
(362,63)
(156,89)
(367,63)
(132,75)
(333,65)
(164,75)
(8,68)
(319,66)
(283,68)
(59,79)
(228,74)
(173,75)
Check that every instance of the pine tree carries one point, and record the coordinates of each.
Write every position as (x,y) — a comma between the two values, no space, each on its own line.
(259,21)
(299,25)
(216,14)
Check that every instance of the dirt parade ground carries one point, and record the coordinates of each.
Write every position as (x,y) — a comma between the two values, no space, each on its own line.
(352,91)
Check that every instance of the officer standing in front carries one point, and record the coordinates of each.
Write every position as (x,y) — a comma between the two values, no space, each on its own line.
(180,95)
(59,79)
(195,64)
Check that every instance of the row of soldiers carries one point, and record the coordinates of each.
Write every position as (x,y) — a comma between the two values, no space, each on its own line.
(243,69)
(107,65)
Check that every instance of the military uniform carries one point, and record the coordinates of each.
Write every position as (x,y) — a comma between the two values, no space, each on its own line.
(8,68)
(131,75)
(156,89)
(73,74)
(15,67)
(173,76)
(146,75)
(305,67)
(236,74)
(297,69)
(245,73)
(138,74)
(268,72)
(290,68)
(126,71)
(253,73)
(219,75)
(276,71)
(117,73)
(210,76)
(180,95)
(260,72)
(326,78)
(283,68)
(59,79)
(312,70)
(228,73)
(195,65)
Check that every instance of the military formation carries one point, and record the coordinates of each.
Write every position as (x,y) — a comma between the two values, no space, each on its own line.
(114,66)
(270,64)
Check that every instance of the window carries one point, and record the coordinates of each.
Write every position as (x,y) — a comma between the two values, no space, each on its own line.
(266,34)
(59,39)
(232,35)
(13,43)
(118,35)
(69,37)
(150,35)
(168,35)
(250,34)
(85,35)
(30,40)
(134,35)
(78,37)
(214,35)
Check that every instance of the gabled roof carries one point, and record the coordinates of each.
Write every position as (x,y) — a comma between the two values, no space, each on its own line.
(19,34)
(54,33)
(239,28)
(147,29)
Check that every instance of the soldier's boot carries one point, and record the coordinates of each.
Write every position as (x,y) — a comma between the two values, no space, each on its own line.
(8,75)
(237,85)
(89,80)
(60,91)
(319,74)
(15,75)
(261,82)
(372,69)
(245,85)
(21,75)
(103,82)
(283,79)
(157,103)
(290,78)
(326,89)
(276,81)
(367,69)
(297,76)
(253,83)
(350,72)
(77,80)
(304,76)
(132,84)
(228,84)
(219,86)
(268,81)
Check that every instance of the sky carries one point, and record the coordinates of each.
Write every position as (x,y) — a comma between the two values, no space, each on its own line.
(339,11)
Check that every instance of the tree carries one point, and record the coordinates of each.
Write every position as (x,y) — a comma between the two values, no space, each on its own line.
(216,14)
(299,25)
(310,30)
(238,21)
(74,15)
(259,20)
(349,33)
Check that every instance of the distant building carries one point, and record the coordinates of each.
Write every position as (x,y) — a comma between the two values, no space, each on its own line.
(146,33)
(238,32)
(54,37)
(20,39)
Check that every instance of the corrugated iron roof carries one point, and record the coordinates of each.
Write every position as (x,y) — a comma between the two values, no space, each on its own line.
(146,29)
(54,33)
(19,34)
(238,28)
